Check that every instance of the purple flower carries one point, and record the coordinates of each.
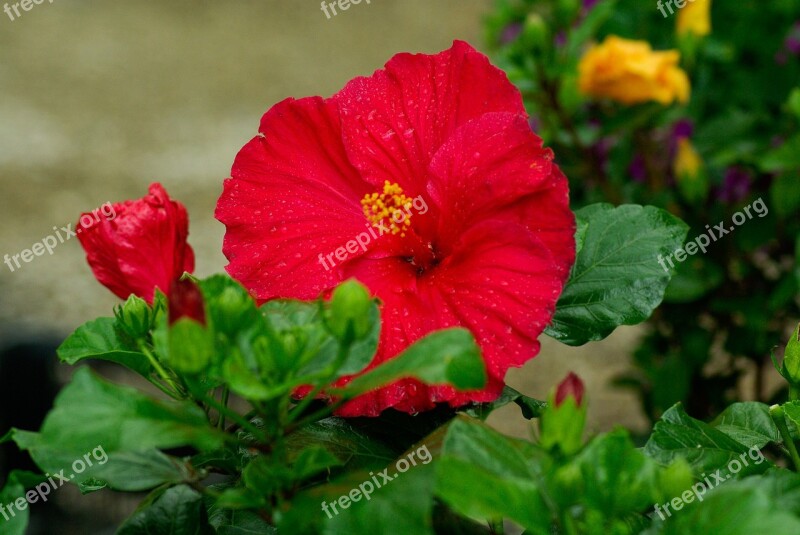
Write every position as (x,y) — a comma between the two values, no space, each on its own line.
(735,186)
(683,128)
(637,169)
(510,33)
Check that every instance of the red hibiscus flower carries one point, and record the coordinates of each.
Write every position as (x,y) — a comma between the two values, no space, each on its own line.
(424,182)
(142,247)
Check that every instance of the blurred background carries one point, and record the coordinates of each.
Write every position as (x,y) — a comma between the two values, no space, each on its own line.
(98,99)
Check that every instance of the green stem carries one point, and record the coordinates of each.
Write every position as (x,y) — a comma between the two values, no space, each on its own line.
(225,394)
(234,416)
(344,350)
(794,393)
(496,526)
(314,416)
(165,376)
(778,416)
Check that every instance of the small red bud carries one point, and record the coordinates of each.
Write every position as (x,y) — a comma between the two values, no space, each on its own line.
(186,301)
(570,386)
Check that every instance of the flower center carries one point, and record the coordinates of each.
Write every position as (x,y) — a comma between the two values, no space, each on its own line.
(392,207)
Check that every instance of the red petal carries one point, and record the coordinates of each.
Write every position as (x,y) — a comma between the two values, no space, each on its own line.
(292,198)
(395,121)
(142,247)
(500,283)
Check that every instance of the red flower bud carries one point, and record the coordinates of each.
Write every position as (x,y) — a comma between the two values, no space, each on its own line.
(186,301)
(141,245)
(570,386)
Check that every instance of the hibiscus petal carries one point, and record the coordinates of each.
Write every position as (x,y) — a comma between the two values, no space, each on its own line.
(489,163)
(292,197)
(395,121)
(499,282)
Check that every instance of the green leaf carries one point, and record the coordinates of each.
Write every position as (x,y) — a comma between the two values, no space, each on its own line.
(364,502)
(176,511)
(134,471)
(617,278)
(784,158)
(791,357)
(530,407)
(301,325)
(401,507)
(483,474)
(792,411)
(748,423)
(705,448)
(617,478)
(99,339)
(230,522)
(447,357)
(12,492)
(91,413)
(345,442)
(753,505)
(588,27)
(190,347)
(313,460)
(785,193)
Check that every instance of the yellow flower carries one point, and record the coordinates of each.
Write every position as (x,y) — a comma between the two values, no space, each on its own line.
(690,172)
(687,162)
(631,72)
(695,18)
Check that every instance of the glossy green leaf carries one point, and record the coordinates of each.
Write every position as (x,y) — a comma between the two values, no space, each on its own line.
(91,413)
(706,449)
(530,407)
(485,474)
(176,511)
(748,423)
(135,471)
(13,493)
(344,441)
(617,278)
(736,508)
(99,339)
(447,357)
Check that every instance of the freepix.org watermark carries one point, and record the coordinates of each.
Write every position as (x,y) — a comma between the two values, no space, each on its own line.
(394,224)
(679,4)
(366,488)
(55,481)
(49,243)
(701,242)
(709,481)
(343,5)
(25,5)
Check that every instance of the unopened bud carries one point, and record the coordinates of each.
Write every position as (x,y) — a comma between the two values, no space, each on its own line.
(570,386)
(186,301)
(134,317)
(535,32)
(791,357)
(348,314)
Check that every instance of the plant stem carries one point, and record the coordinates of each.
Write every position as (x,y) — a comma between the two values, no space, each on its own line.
(236,417)
(344,350)
(778,416)
(794,393)
(221,421)
(165,376)
(496,526)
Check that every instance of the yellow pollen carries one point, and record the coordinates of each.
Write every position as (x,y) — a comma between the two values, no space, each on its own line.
(391,206)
